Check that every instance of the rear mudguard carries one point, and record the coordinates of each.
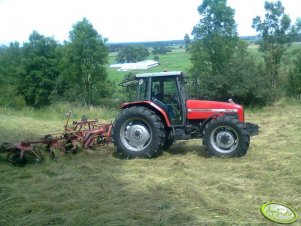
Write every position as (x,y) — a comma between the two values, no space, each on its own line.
(152,106)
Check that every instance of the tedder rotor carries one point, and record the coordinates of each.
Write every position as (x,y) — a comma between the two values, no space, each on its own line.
(81,134)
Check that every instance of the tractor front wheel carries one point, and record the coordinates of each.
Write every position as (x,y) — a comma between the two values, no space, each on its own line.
(138,132)
(226,137)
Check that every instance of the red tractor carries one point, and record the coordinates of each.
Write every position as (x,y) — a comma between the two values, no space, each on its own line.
(162,113)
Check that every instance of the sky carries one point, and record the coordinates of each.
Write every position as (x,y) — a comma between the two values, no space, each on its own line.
(120,20)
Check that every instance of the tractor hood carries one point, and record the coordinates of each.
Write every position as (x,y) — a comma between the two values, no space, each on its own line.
(202,109)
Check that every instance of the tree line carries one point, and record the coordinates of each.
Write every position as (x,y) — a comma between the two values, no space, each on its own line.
(42,71)
(116,47)
(135,53)
(223,67)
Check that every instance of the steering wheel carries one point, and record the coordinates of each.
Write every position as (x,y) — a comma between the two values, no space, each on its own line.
(173,102)
(169,99)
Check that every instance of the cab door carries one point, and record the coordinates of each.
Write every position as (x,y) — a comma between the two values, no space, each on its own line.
(165,93)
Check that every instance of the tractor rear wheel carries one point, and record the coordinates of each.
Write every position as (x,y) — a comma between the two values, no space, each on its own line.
(226,137)
(138,132)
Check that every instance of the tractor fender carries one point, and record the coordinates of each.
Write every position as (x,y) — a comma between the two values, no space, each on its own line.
(205,123)
(151,105)
(215,116)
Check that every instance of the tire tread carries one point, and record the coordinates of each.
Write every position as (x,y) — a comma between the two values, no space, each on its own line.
(231,121)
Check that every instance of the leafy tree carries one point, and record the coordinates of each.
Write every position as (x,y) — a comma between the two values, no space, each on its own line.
(84,63)
(214,47)
(129,89)
(294,77)
(11,58)
(217,34)
(246,83)
(276,34)
(39,70)
(187,42)
(132,54)
(222,68)
(10,67)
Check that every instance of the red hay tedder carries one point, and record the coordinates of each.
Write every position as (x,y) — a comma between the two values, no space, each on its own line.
(82,134)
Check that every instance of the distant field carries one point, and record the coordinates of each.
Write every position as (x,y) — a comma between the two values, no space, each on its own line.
(182,187)
(177,60)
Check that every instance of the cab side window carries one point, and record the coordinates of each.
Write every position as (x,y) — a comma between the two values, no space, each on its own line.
(165,94)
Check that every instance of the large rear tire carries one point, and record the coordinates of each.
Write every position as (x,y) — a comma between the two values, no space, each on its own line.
(138,132)
(226,137)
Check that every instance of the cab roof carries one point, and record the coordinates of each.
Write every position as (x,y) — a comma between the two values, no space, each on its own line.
(158,74)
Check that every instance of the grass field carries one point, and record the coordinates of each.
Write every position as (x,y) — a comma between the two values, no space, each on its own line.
(182,187)
(177,60)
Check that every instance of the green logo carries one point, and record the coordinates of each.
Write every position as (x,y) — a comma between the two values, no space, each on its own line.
(279,213)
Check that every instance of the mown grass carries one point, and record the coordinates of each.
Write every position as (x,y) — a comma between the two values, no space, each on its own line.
(182,187)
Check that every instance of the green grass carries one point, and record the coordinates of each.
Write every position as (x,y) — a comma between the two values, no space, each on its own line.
(182,187)
(30,123)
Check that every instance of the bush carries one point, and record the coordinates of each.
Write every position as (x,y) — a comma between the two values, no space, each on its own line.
(111,103)
(156,58)
(294,77)
(10,98)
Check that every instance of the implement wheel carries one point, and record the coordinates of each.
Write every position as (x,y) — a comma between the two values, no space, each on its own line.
(15,158)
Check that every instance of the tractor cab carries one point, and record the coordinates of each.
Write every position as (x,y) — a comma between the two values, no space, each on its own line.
(166,90)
